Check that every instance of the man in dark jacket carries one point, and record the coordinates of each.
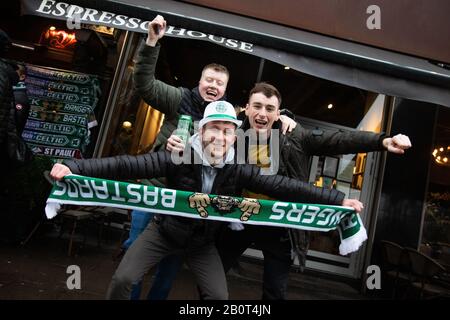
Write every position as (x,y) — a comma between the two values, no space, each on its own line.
(21,98)
(171,101)
(292,155)
(216,173)
(279,245)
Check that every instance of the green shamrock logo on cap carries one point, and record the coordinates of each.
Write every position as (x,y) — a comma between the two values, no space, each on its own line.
(221,107)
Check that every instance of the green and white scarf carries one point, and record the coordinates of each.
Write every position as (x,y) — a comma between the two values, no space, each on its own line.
(80,190)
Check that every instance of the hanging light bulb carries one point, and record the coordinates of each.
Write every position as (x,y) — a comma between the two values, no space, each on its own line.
(127,125)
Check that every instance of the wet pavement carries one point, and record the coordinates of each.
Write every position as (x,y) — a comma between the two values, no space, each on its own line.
(38,270)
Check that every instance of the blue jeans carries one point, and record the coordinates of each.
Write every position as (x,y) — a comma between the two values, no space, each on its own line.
(167,268)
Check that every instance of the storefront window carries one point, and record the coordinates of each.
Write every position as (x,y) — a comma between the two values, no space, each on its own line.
(68,79)
(180,62)
(125,125)
(319,99)
(436,223)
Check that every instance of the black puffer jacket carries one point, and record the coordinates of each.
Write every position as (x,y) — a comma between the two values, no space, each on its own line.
(230,181)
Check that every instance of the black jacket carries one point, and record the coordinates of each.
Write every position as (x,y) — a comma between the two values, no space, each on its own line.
(6,101)
(296,149)
(230,181)
(22,106)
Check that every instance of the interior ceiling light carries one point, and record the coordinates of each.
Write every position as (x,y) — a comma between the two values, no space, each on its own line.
(441,155)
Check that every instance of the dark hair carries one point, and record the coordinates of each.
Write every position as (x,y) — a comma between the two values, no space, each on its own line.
(218,68)
(266,89)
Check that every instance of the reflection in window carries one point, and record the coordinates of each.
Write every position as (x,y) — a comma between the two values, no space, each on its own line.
(311,97)
(345,174)
(436,223)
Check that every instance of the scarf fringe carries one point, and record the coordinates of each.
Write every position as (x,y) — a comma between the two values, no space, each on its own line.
(353,243)
(51,209)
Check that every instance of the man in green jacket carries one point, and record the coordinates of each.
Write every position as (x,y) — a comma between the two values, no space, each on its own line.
(170,100)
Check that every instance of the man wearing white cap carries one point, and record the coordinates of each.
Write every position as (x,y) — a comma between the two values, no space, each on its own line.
(216,173)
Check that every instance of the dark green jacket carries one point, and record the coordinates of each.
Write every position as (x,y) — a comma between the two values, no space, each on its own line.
(170,100)
(165,98)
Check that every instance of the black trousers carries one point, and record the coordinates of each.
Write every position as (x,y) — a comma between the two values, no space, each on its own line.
(276,247)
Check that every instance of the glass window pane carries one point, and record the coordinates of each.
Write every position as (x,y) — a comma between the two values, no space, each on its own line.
(311,97)
(330,167)
(436,225)
(346,167)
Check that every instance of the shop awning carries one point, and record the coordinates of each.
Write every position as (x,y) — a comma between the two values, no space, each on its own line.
(337,60)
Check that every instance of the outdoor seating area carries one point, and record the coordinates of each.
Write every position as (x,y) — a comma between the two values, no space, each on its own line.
(412,274)
(80,217)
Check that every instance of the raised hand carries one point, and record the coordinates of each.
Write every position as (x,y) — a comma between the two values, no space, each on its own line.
(156,30)
(397,144)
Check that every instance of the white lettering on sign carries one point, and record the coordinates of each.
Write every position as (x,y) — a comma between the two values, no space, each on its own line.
(76,15)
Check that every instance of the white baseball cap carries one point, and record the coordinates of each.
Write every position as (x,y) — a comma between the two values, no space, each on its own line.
(219,111)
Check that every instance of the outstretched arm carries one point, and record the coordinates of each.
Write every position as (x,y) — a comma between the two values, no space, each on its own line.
(292,190)
(149,165)
(159,95)
(320,142)
(286,189)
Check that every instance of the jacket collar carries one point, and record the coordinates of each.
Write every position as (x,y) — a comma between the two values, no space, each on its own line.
(198,100)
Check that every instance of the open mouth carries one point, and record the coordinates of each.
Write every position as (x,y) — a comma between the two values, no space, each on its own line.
(211,94)
(261,122)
